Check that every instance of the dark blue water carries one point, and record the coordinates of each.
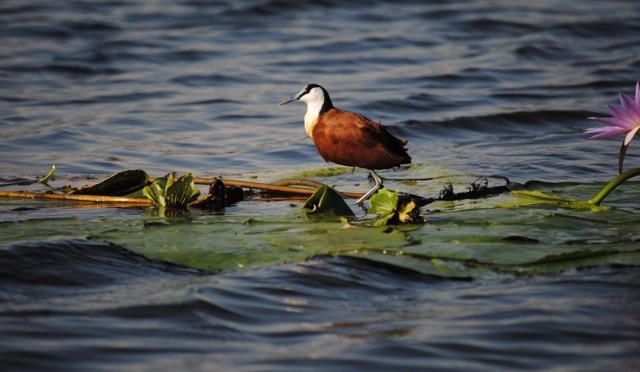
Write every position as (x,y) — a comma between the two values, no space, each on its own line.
(112,309)
(192,86)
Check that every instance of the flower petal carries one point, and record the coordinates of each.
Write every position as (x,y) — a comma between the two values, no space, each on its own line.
(630,107)
(604,132)
(614,122)
(629,137)
(621,112)
(624,101)
(638,93)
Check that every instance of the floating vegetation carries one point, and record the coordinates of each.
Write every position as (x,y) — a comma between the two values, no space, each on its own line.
(120,184)
(172,192)
(478,189)
(322,172)
(394,208)
(476,229)
(135,187)
(219,197)
(535,229)
(46,178)
(326,204)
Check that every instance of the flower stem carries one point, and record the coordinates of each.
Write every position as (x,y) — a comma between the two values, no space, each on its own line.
(622,177)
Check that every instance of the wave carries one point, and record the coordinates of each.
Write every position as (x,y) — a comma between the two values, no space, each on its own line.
(78,262)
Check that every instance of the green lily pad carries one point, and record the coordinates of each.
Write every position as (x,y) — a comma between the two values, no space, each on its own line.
(502,236)
(393,208)
(384,204)
(321,172)
(326,205)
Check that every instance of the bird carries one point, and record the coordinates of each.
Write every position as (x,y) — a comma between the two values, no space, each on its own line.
(349,139)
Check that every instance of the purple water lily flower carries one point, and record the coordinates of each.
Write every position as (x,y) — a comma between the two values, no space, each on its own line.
(625,121)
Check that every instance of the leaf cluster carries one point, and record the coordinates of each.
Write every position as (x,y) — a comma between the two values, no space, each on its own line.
(172,192)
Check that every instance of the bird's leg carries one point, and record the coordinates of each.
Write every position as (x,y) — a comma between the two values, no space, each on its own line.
(373,190)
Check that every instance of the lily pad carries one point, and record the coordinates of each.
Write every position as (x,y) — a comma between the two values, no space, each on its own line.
(322,172)
(463,239)
(326,205)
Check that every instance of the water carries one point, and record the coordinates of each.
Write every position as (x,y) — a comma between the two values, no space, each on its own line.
(189,86)
(113,309)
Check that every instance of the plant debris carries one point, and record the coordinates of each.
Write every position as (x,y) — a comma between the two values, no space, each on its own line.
(219,196)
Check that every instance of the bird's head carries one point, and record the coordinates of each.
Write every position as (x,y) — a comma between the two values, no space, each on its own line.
(312,95)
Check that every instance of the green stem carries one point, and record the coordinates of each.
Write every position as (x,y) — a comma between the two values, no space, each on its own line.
(622,177)
(49,175)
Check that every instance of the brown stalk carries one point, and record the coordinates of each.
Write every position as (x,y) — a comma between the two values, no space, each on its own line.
(282,187)
(121,200)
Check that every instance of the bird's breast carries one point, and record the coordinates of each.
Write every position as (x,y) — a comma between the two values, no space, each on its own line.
(310,121)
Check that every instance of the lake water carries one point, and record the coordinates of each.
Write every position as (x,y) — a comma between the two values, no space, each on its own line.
(486,87)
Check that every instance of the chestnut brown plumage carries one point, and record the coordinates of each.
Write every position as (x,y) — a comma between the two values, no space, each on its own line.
(347,138)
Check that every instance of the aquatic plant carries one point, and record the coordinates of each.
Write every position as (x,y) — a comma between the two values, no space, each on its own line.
(393,208)
(326,204)
(125,183)
(172,192)
(48,176)
(483,247)
(625,121)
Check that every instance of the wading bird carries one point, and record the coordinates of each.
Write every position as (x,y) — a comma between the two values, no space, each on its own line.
(350,139)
